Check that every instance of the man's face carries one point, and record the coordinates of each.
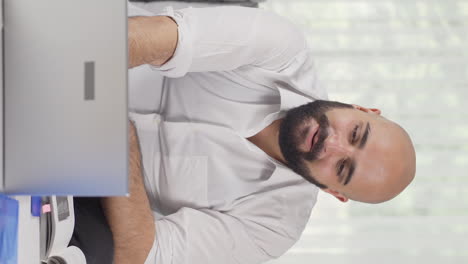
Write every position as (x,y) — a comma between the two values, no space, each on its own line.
(348,151)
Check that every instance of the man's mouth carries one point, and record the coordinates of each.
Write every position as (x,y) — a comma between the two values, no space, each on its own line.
(314,139)
(311,138)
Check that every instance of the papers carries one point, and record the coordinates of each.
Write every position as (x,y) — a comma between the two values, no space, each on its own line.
(57,229)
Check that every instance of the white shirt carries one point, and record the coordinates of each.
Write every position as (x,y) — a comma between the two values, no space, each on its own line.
(216,197)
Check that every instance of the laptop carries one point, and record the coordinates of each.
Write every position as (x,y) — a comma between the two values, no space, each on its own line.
(64,104)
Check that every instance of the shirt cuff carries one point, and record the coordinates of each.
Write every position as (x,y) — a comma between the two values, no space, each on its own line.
(179,64)
(133,10)
(151,258)
(162,249)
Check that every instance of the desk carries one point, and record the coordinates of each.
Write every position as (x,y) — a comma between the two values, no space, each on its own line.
(28,233)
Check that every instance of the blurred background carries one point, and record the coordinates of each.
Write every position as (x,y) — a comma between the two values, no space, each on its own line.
(410,59)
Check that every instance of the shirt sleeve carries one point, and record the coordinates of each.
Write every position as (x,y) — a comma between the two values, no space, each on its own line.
(192,236)
(202,236)
(228,37)
(251,230)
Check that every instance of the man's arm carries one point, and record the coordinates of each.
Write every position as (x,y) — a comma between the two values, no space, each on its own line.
(151,40)
(130,218)
(214,39)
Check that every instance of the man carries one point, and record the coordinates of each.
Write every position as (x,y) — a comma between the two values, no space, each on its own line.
(219,175)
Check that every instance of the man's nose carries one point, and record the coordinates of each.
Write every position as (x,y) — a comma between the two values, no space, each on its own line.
(334,145)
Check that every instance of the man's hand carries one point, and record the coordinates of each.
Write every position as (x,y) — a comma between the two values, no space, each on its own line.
(151,40)
(130,218)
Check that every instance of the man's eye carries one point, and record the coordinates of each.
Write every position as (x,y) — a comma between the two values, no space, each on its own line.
(341,168)
(354,136)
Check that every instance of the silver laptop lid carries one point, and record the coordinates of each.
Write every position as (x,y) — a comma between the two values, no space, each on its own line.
(65,97)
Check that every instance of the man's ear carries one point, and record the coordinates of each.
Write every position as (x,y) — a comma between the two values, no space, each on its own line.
(367,110)
(338,195)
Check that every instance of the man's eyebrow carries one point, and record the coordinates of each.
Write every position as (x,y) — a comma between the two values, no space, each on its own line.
(351,169)
(364,137)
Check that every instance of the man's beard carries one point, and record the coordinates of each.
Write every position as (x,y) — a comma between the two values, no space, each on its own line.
(293,132)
